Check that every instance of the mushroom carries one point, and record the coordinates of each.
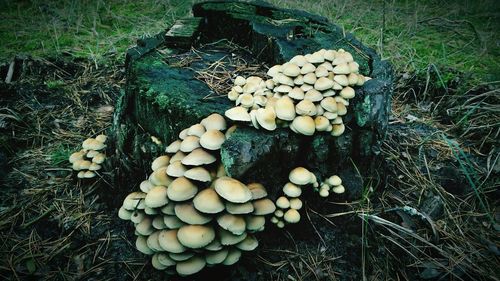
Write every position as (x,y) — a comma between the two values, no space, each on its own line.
(187,213)
(156,197)
(178,156)
(292,216)
(283,80)
(266,117)
(323,83)
(263,207)
(299,60)
(181,189)
(228,238)
(76,156)
(238,114)
(295,203)
(314,58)
(321,123)
(239,208)
(208,201)
(196,130)
(216,257)
(291,190)
(305,107)
(338,130)
(310,78)
(92,144)
(283,202)
(156,263)
(190,266)
(347,93)
(258,190)
(124,214)
(334,180)
(232,257)
(99,158)
(160,177)
(159,162)
(173,222)
(255,223)
(313,95)
(153,242)
(300,176)
(198,174)
(245,100)
(239,81)
(176,169)
(299,80)
(307,68)
(145,227)
(285,109)
(329,104)
(321,71)
(304,125)
(232,190)
(291,69)
(214,121)
(132,200)
(232,223)
(142,245)
(282,89)
(342,68)
(190,143)
(341,80)
(198,157)
(212,139)
(248,244)
(195,236)
(338,189)
(169,242)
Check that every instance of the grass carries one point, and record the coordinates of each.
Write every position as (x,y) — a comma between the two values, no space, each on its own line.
(447,61)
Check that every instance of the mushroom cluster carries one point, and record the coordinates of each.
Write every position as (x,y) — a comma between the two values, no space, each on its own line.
(189,214)
(88,160)
(333,184)
(309,93)
(290,204)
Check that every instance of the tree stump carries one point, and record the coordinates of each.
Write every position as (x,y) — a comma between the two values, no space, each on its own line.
(163,96)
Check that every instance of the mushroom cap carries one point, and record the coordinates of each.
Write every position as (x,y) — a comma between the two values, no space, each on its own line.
(238,113)
(102,138)
(133,199)
(150,211)
(232,190)
(307,68)
(99,158)
(299,60)
(181,189)
(296,93)
(94,167)
(196,236)
(159,162)
(295,203)
(347,93)
(313,95)
(323,83)
(145,227)
(81,164)
(239,81)
(214,121)
(284,81)
(255,223)
(283,89)
(159,223)
(156,264)
(196,130)
(329,104)
(214,245)
(212,139)
(280,224)
(173,147)
(266,118)
(321,71)
(338,130)
(339,189)
(278,213)
(124,214)
(142,246)
(198,157)
(291,190)
(92,153)
(176,169)
(327,65)
(248,244)
(334,180)
(321,123)
(178,156)
(300,176)
(164,259)
(188,214)
(274,70)
(160,177)
(341,79)
(81,175)
(216,257)
(92,144)
(169,242)
(198,174)
(156,197)
(258,190)
(306,107)
(361,80)
(173,222)
(341,109)
(329,55)
(190,266)
(292,216)
(137,216)
(245,100)
(306,87)
(169,209)
(353,79)
(183,134)
(190,143)
(239,208)
(315,57)
(283,202)
(228,238)
(285,109)
(304,125)
(263,207)
(232,223)
(153,242)
(309,78)
(342,68)
(232,257)
(208,201)
(76,156)
(323,192)
(291,69)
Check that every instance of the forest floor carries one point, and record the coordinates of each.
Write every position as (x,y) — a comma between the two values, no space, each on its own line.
(433,212)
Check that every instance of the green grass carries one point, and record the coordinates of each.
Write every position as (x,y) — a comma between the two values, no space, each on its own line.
(458,37)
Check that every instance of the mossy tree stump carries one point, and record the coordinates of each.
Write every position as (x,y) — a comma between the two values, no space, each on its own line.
(162,96)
